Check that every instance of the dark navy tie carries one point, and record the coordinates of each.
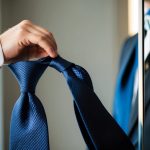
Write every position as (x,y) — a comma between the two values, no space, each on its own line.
(99,129)
(28,130)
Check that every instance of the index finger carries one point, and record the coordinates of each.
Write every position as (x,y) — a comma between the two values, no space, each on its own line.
(44,42)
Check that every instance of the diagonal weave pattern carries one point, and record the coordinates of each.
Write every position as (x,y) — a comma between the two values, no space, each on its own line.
(28,130)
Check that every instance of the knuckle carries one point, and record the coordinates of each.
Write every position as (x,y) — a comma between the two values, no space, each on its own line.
(24,23)
(47,33)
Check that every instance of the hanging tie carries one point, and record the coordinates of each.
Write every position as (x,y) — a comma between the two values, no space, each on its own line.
(28,130)
(99,129)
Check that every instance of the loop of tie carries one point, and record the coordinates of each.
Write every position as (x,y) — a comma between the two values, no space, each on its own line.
(58,63)
(62,65)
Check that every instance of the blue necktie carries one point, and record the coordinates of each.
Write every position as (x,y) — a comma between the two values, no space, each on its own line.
(124,91)
(99,129)
(28,130)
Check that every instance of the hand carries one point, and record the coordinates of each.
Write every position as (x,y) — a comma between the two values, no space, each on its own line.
(27,41)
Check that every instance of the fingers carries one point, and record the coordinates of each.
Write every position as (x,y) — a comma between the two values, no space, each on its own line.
(45,32)
(40,36)
(43,42)
(42,30)
(34,53)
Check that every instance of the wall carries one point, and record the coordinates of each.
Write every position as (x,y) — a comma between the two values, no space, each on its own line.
(88,32)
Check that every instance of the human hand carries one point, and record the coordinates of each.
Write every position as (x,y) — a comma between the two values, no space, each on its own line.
(27,41)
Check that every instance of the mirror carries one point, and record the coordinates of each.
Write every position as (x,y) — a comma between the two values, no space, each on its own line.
(98,35)
(146,42)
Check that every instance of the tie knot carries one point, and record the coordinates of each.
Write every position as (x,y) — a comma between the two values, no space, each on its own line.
(59,63)
(28,74)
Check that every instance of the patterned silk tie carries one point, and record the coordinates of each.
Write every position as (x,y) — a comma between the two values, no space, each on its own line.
(99,129)
(29,130)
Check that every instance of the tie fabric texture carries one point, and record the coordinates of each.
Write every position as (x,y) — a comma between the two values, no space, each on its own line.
(28,130)
(124,91)
(29,126)
(99,129)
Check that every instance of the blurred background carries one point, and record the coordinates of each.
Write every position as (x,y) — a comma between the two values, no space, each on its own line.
(89,33)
